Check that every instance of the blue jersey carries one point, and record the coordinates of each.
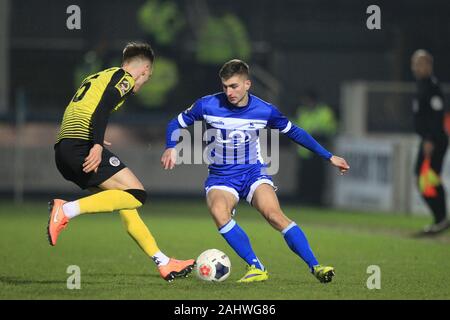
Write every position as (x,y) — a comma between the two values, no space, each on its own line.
(233,132)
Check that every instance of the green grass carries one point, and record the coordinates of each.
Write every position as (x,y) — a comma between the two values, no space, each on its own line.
(113,267)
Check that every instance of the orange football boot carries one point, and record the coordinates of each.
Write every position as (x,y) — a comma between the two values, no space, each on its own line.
(176,269)
(57,220)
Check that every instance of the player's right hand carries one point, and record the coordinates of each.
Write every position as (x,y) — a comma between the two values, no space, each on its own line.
(340,163)
(93,160)
(169,158)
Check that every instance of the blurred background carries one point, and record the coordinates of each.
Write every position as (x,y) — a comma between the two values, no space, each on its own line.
(349,86)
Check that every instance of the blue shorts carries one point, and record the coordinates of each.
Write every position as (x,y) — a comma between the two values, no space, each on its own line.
(242,185)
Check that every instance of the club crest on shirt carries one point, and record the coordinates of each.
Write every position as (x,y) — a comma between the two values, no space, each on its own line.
(124,86)
(114,161)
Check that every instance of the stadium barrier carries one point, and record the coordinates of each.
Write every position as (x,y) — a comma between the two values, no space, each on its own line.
(378,140)
(32,170)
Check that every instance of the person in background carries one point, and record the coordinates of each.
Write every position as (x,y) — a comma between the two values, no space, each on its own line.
(319,120)
(431,122)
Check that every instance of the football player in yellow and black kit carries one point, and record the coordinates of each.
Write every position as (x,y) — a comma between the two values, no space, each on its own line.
(81,157)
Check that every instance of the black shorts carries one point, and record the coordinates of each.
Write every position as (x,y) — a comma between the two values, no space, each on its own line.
(69,158)
(437,157)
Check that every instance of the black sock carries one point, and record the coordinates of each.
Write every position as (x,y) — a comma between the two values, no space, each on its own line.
(437,204)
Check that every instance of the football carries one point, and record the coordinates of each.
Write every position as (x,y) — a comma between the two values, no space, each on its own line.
(213,265)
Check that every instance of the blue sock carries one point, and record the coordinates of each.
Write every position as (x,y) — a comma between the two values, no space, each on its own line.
(239,241)
(298,243)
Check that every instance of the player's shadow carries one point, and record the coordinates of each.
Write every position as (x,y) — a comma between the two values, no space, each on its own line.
(131,275)
(124,275)
(440,237)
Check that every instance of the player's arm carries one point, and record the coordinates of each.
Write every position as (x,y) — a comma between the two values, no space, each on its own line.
(430,127)
(422,126)
(298,135)
(183,120)
(446,111)
(112,95)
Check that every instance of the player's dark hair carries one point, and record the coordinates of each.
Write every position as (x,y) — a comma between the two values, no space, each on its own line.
(234,67)
(138,50)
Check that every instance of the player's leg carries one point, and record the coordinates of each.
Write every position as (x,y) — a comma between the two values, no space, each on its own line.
(136,228)
(121,191)
(431,188)
(125,180)
(169,268)
(266,202)
(113,189)
(131,196)
(121,188)
(438,203)
(220,204)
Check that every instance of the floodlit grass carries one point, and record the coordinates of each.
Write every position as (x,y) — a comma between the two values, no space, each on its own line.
(113,267)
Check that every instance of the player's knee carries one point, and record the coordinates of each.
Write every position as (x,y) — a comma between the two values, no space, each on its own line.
(140,195)
(275,218)
(220,212)
(218,209)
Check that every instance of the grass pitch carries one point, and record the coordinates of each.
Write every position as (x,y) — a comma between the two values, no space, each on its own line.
(113,267)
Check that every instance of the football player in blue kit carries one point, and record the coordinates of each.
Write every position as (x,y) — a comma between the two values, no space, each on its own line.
(237,169)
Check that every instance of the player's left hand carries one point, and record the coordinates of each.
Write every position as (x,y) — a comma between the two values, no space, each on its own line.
(94,159)
(169,158)
(340,163)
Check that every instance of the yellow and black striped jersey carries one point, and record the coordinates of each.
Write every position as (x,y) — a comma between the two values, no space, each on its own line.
(98,95)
